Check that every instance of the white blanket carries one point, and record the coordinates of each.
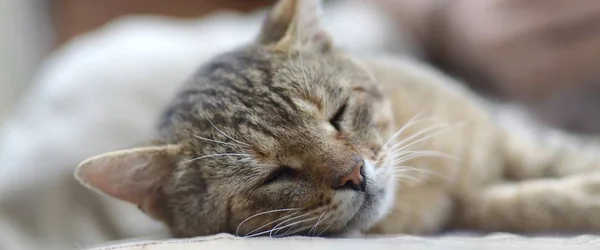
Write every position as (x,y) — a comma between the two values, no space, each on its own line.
(491,242)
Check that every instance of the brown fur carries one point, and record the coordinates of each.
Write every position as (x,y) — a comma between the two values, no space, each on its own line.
(267,109)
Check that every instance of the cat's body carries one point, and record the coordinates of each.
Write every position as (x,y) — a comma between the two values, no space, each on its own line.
(290,136)
(511,173)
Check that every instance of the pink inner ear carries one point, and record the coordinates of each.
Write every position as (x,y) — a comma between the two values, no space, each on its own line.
(131,176)
(112,180)
(134,183)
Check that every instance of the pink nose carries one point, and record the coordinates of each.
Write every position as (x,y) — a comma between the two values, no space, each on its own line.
(354,180)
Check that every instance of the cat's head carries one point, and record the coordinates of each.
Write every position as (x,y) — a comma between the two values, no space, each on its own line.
(283,136)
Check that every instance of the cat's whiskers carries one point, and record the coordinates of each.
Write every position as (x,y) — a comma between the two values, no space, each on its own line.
(407,142)
(300,49)
(278,225)
(216,141)
(286,224)
(406,178)
(274,221)
(295,231)
(325,229)
(416,154)
(264,213)
(289,56)
(404,169)
(400,175)
(215,155)
(403,148)
(420,136)
(314,228)
(406,125)
(402,156)
(292,225)
(300,230)
(224,134)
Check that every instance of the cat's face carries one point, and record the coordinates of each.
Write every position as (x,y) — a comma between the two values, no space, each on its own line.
(281,137)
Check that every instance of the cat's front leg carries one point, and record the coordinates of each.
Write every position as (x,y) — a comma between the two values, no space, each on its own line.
(544,205)
(531,151)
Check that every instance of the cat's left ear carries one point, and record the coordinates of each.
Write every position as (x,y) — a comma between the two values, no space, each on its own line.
(294,23)
(135,175)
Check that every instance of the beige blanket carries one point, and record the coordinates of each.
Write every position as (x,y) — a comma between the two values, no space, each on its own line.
(491,242)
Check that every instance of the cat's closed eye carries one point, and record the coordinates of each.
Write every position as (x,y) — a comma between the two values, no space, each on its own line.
(282,173)
(337,117)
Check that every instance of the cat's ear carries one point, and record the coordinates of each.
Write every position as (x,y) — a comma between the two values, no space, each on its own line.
(295,23)
(136,175)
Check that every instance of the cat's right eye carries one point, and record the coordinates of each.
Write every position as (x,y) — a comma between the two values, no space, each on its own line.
(282,173)
(337,117)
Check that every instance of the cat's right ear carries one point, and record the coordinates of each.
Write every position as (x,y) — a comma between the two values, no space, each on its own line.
(135,175)
(295,23)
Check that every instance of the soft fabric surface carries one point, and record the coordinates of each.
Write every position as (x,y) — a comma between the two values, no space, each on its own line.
(491,242)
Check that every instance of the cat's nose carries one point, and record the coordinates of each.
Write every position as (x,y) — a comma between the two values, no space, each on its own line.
(354,180)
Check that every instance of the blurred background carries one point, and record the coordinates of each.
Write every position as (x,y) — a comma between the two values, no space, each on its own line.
(31,29)
(83,77)
(542,53)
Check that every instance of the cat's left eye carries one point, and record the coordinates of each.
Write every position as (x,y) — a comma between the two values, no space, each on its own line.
(283,172)
(336,119)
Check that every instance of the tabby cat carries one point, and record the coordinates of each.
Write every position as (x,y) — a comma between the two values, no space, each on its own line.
(291,136)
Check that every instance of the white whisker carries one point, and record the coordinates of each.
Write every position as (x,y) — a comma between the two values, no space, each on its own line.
(297,231)
(403,169)
(276,226)
(223,133)
(317,223)
(324,230)
(290,226)
(403,176)
(263,213)
(424,138)
(215,155)
(300,48)
(292,70)
(271,222)
(216,141)
(282,224)
(277,220)
(416,135)
(406,125)
(422,154)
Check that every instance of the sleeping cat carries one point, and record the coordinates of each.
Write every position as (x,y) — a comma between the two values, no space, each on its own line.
(290,135)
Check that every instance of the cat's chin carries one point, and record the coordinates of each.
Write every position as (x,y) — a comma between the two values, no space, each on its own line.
(376,202)
(367,215)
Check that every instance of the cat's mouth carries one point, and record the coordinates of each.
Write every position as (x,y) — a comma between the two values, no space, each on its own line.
(366,214)
(372,205)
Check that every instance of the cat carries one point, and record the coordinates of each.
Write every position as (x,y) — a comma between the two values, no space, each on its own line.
(291,136)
